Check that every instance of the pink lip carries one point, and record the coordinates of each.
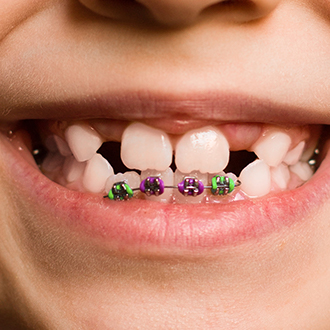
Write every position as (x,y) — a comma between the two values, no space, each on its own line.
(192,107)
(147,228)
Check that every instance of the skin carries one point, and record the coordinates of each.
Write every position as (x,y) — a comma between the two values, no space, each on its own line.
(52,50)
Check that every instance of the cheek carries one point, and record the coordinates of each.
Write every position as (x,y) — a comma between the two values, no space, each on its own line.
(13,13)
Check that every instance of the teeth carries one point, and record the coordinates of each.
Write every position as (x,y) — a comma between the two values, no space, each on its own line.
(205,150)
(96,173)
(272,147)
(293,156)
(178,177)
(200,153)
(131,177)
(72,169)
(281,176)
(256,179)
(62,146)
(50,143)
(168,178)
(52,162)
(144,147)
(83,141)
(302,170)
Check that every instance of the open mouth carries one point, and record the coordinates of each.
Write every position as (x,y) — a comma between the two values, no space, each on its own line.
(244,179)
(211,164)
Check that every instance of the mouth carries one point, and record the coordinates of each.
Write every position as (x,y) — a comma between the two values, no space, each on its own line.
(167,184)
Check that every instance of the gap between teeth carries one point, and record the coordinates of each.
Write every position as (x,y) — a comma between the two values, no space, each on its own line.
(202,152)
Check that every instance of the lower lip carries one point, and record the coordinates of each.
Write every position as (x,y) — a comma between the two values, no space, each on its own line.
(145,228)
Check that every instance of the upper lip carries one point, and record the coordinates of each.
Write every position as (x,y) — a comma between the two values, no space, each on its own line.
(190,108)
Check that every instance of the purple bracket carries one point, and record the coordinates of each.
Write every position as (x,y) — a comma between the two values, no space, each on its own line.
(191,186)
(152,185)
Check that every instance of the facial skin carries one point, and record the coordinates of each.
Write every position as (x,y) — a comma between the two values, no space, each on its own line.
(61,51)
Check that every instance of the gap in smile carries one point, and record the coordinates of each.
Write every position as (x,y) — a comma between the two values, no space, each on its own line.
(93,156)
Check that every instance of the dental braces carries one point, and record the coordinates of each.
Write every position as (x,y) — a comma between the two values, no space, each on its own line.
(190,186)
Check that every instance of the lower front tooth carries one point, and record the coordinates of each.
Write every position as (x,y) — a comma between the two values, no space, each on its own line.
(72,169)
(256,179)
(168,178)
(179,177)
(281,176)
(96,173)
(130,177)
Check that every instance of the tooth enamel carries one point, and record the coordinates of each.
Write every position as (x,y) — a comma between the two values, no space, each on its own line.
(131,177)
(96,173)
(52,162)
(178,177)
(293,156)
(302,170)
(211,175)
(232,176)
(50,143)
(62,146)
(272,147)
(281,176)
(168,178)
(83,141)
(72,169)
(256,179)
(205,150)
(144,147)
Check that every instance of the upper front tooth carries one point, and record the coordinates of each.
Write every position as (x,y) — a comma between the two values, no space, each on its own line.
(272,147)
(256,179)
(204,149)
(293,156)
(62,146)
(83,141)
(144,147)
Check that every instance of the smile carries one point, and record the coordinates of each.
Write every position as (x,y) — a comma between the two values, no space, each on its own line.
(242,178)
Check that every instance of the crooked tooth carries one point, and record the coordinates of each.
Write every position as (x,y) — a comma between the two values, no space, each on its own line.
(131,177)
(168,177)
(281,176)
(72,169)
(96,173)
(62,146)
(256,179)
(144,147)
(293,156)
(302,170)
(205,150)
(272,147)
(83,141)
